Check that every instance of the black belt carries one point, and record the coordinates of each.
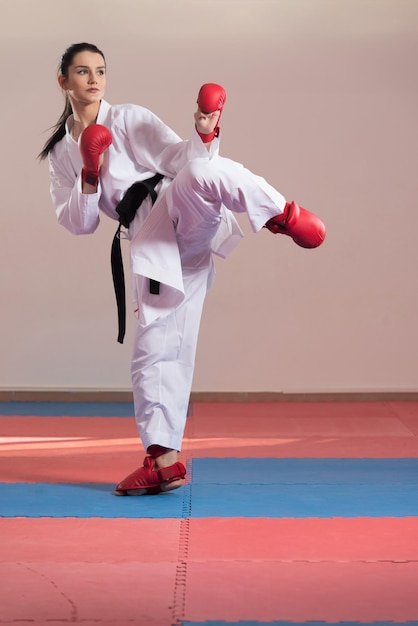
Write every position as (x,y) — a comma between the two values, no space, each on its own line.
(126,209)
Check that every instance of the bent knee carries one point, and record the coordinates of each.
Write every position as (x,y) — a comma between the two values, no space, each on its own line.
(198,173)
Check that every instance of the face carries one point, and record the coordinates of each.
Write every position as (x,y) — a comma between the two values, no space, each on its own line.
(86,80)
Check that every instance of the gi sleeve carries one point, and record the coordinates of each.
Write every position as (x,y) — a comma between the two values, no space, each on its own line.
(156,146)
(76,211)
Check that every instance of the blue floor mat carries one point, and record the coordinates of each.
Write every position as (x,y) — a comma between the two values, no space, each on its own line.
(71,409)
(84,500)
(307,471)
(271,488)
(302,501)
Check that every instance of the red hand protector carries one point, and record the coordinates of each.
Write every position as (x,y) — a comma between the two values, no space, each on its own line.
(211,98)
(305,228)
(94,140)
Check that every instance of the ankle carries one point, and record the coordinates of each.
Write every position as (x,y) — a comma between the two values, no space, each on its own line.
(164,457)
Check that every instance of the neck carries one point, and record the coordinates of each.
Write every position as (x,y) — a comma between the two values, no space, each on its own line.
(84,116)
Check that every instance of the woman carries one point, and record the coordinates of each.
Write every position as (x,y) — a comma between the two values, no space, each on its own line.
(97,153)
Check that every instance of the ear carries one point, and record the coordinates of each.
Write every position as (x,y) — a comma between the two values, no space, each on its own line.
(61,81)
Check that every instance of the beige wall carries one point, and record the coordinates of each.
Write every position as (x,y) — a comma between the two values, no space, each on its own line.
(322,101)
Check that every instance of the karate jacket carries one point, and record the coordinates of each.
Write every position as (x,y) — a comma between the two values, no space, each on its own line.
(141,146)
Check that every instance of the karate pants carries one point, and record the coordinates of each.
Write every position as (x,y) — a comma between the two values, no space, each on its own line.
(163,364)
(164,350)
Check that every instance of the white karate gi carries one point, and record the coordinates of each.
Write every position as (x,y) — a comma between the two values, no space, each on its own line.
(171,242)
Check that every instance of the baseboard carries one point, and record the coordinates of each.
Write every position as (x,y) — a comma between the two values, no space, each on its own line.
(117,395)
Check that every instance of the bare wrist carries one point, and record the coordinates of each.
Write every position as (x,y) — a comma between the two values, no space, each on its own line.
(88,189)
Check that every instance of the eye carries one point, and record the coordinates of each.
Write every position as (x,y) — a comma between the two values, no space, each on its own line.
(101,72)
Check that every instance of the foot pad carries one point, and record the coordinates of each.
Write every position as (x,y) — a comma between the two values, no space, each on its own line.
(150,480)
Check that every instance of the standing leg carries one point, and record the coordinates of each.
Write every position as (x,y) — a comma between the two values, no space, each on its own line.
(162,373)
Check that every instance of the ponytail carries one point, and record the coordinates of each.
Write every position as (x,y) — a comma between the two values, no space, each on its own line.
(58,130)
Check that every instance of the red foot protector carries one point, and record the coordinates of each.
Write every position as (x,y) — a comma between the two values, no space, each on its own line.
(149,480)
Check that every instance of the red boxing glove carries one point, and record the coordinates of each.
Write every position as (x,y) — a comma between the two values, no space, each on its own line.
(211,98)
(305,228)
(94,140)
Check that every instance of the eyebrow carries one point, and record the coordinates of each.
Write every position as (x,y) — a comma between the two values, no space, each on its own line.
(86,67)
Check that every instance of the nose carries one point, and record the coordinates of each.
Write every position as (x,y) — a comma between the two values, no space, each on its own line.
(92,78)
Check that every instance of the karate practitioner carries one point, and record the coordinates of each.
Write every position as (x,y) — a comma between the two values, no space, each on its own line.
(97,152)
